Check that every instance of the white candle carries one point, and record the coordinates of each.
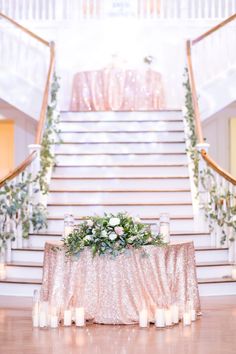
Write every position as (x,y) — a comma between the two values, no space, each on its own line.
(165,232)
(68,230)
(35,320)
(234,272)
(35,315)
(43,319)
(159,318)
(175,313)
(186,318)
(168,317)
(67,318)
(143,318)
(3,272)
(193,315)
(54,321)
(79,317)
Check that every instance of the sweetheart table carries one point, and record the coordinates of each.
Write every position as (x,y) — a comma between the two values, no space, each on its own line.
(114,290)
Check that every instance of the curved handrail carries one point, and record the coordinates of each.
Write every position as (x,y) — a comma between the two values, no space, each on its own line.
(43,110)
(197,116)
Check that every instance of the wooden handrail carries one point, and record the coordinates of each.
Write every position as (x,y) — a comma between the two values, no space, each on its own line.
(41,122)
(217,168)
(197,115)
(214,29)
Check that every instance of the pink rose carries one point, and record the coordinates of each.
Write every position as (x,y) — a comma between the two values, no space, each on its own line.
(119,230)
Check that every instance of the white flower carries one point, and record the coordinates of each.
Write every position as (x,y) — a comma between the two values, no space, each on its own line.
(114,221)
(112,236)
(104,233)
(90,223)
(233,218)
(136,220)
(88,238)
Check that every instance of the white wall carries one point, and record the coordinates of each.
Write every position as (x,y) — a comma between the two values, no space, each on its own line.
(217,134)
(25,128)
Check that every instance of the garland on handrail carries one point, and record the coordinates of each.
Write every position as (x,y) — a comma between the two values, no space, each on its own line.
(219,202)
(19,208)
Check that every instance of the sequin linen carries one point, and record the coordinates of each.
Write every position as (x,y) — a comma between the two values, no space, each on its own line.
(114,290)
(114,89)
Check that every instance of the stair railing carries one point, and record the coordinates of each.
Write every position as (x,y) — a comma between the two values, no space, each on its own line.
(15,185)
(216,187)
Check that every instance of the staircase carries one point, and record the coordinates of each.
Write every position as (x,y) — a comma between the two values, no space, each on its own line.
(121,161)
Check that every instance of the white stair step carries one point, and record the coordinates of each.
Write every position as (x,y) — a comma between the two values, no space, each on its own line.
(134,147)
(217,287)
(164,183)
(134,116)
(199,239)
(213,269)
(16,287)
(27,255)
(212,255)
(122,137)
(134,209)
(25,270)
(128,159)
(121,171)
(55,224)
(119,197)
(121,125)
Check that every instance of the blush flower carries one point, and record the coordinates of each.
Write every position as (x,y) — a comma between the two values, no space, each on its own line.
(119,230)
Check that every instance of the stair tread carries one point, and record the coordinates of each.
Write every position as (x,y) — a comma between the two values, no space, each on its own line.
(210,248)
(118,153)
(121,131)
(174,217)
(214,263)
(24,264)
(28,249)
(21,281)
(120,204)
(126,142)
(118,178)
(127,166)
(216,280)
(118,190)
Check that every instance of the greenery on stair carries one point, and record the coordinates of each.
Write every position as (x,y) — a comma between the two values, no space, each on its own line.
(216,198)
(20,206)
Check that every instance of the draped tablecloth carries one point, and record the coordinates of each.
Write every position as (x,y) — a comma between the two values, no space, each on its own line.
(114,290)
(113,89)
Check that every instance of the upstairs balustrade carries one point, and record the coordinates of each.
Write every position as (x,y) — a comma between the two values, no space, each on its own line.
(47,10)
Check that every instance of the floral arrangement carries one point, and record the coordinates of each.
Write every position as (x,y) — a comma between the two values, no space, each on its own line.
(110,234)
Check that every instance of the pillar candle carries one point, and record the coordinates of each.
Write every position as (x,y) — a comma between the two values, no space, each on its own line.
(54,321)
(43,319)
(143,318)
(165,232)
(79,317)
(159,318)
(68,230)
(234,273)
(175,313)
(186,318)
(168,317)
(35,315)
(67,318)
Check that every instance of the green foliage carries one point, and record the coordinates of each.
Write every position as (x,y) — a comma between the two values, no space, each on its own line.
(110,234)
(219,204)
(17,205)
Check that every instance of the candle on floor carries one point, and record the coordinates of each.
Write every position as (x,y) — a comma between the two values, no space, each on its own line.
(168,317)
(192,311)
(53,318)
(159,318)
(67,318)
(186,318)
(175,313)
(143,318)
(43,314)
(3,272)
(79,317)
(234,272)
(35,309)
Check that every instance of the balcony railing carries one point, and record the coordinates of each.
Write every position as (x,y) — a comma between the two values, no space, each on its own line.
(47,10)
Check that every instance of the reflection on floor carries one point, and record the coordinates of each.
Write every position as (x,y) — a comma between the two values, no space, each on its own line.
(213,333)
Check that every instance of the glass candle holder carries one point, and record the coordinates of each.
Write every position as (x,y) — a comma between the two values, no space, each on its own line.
(165,227)
(68,224)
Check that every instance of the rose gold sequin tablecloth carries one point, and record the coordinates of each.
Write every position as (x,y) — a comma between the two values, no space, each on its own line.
(117,90)
(113,290)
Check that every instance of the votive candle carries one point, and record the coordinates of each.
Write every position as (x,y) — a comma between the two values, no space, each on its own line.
(175,313)
(159,318)
(168,317)
(67,318)
(79,317)
(143,318)
(54,321)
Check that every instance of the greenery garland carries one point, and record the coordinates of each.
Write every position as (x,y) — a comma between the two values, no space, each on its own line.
(219,208)
(110,234)
(16,206)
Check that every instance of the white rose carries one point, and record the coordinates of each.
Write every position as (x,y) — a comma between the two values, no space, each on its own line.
(112,236)
(88,238)
(114,221)
(90,223)
(233,218)
(136,220)
(104,233)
